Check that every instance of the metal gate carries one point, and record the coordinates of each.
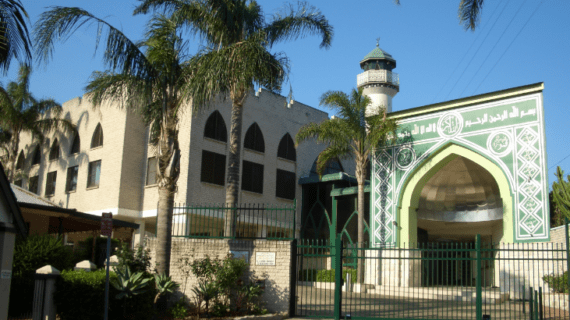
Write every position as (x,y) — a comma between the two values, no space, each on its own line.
(432,281)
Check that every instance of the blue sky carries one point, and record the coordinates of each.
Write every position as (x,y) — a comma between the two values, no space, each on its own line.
(518,42)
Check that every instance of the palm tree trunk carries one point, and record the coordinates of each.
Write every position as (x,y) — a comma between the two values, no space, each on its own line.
(232,184)
(13,155)
(163,229)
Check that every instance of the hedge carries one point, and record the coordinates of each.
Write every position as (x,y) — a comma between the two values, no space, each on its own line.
(322,275)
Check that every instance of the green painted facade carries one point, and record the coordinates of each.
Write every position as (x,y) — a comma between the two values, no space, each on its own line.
(503,132)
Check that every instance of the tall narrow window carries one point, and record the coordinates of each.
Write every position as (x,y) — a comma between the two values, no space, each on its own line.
(71,183)
(54,151)
(36,156)
(94,174)
(285,184)
(20,161)
(252,177)
(151,171)
(97,140)
(33,184)
(76,143)
(213,168)
(254,139)
(50,183)
(216,127)
(286,148)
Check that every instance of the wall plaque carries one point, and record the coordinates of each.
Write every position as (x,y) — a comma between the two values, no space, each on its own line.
(265,258)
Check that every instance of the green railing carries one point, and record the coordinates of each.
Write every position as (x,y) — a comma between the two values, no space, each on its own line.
(445,280)
(251,221)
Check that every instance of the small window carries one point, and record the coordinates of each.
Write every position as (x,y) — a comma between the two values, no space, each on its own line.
(94,174)
(213,168)
(97,140)
(36,156)
(286,148)
(216,127)
(50,183)
(20,161)
(151,171)
(285,184)
(254,139)
(54,151)
(19,182)
(252,177)
(71,184)
(33,184)
(76,143)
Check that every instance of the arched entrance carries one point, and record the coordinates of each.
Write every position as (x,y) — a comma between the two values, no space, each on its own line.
(454,195)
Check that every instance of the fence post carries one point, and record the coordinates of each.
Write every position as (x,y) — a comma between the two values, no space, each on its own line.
(44,307)
(478,299)
(531,304)
(293,280)
(338,277)
(567,254)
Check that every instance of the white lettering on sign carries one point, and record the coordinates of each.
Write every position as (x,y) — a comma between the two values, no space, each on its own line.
(6,274)
(265,258)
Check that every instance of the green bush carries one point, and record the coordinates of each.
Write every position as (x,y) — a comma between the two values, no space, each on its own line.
(137,260)
(558,283)
(321,275)
(81,295)
(85,250)
(31,254)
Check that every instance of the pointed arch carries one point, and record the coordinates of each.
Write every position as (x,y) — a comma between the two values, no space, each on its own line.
(54,150)
(97,140)
(20,161)
(36,155)
(286,148)
(75,143)
(254,138)
(411,190)
(216,127)
(333,166)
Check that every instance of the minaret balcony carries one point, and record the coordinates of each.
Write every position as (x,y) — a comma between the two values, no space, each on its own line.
(378,76)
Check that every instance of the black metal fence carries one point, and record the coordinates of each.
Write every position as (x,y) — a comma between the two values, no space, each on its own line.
(250,221)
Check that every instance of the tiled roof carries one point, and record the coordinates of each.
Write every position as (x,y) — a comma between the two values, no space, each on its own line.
(378,53)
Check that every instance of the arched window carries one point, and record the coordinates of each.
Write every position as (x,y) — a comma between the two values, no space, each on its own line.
(36,156)
(97,140)
(254,138)
(332,166)
(216,127)
(20,161)
(76,143)
(54,151)
(286,148)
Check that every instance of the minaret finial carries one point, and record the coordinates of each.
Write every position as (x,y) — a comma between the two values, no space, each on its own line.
(378,42)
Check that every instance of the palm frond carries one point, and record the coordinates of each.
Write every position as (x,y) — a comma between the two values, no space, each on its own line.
(130,91)
(167,6)
(469,13)
(60,22)
(14,36)
(332,152)
(292,23)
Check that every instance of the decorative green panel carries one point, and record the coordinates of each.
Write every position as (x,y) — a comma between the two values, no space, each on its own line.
(509,132)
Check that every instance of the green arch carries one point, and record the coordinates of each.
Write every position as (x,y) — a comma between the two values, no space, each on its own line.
(411,190)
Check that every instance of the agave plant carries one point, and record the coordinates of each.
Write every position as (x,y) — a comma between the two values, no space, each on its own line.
(164,284)
(205,292)
(129,284)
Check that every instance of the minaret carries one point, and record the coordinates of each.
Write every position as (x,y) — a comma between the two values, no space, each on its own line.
(378,80)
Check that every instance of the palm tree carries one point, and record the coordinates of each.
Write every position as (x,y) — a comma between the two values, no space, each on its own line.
(148,77)
(236,58)
(469,12)
(14,38)
(21,112)
(350,133)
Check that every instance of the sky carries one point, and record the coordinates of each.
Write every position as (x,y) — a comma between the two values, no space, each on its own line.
(517,42)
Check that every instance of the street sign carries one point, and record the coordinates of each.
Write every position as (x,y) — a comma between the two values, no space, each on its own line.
(106,224)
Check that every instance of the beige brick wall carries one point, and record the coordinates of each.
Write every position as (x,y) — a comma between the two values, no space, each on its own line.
(277,277)
(558,235)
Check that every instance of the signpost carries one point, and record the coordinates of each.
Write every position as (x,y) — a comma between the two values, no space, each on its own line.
(107,230)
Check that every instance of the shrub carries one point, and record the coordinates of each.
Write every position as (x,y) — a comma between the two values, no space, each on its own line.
(558,283)
(137,260)
(86,248)
(322,275)
(179,310)
(81,295)
(31,254)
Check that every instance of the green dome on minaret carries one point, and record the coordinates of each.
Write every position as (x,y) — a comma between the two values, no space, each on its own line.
(378,55)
